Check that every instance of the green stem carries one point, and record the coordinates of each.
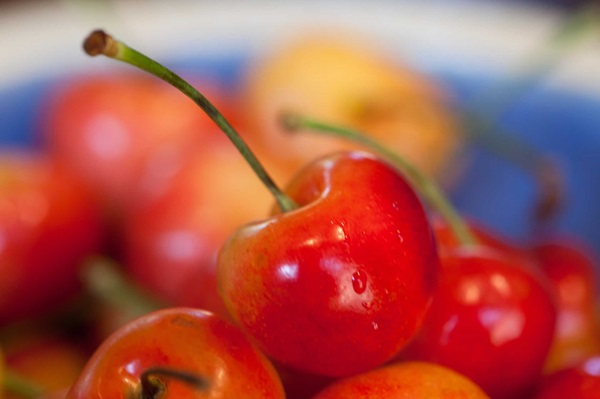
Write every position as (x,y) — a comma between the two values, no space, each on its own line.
(518,152)
(20,386)
(426,186)
(480,117)
(104,281)
(151,387)
(100,43)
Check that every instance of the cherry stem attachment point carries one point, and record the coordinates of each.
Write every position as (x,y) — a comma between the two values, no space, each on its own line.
(100,43)
(152,387)
(428,189)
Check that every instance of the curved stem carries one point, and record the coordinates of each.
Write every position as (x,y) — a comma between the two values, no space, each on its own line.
(518,152)
(151,387)
(426,186)
(482,112)
(100,43)
(20,386)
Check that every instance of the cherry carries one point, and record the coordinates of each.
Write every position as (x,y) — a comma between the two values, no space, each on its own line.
(491,306)
(348,80)
(405,380)
(352,256)
(571,268)
(182,227)
(173,350)
(49,224)
(448,241)
(581,380)
(118,130)
(491,319)
(353,267)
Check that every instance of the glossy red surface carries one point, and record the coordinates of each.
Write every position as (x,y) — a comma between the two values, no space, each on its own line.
(183,339)
(491,319)
(340,284)
(49,224)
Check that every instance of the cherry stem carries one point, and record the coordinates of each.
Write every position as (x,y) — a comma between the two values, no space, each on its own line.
(100,43)
(104,280)
(20,386)
(480,116)
(153,388)
(515,150)
(426,186)
(575,26)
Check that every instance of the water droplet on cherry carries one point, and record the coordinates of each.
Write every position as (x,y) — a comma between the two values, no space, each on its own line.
(359,281)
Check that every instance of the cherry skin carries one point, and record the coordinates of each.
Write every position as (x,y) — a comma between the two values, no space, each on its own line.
(405,380)
(49,224)
(119,129)
(172,237)
(179,339)
(571,268)
(342,283)
(448,242)
(344,79)
(491,319)
(578,381)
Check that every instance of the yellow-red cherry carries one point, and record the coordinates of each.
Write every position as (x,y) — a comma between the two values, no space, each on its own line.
(187,341)
(342,283)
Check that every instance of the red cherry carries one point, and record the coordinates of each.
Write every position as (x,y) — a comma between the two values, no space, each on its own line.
(405,380)
(182,340)
(448,242)
(571,268)
(48,225)
(578,381)
(117,130)
(491,320)
(171,239)
(355,265)
(341,284)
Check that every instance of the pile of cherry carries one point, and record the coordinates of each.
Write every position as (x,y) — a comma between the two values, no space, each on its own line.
(142,257)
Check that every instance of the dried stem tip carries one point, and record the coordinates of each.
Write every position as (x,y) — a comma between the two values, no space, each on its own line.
(99,42)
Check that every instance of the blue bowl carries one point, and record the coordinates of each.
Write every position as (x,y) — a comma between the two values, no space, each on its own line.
(562,122)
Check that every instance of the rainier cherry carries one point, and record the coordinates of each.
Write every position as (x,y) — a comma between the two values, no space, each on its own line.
(580,380)
(182,227)
(491,320)
(177,353)
(408,380)
(571,268)
(117,130)
(48,225)
(492,317)
(340,281)
(346,80)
